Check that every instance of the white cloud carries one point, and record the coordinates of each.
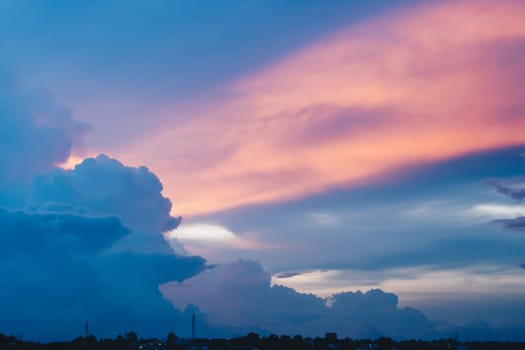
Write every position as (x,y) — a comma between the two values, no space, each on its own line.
(214,241)
(492,211)
(202,232)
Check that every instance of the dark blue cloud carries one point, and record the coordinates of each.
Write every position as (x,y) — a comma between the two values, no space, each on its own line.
(517,223)
(288,274)
(512,192)
(78,245)
(57,271)
(446,253)
(58,233)
(512,188)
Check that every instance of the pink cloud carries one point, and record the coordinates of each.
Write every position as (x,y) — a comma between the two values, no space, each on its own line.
(418,85)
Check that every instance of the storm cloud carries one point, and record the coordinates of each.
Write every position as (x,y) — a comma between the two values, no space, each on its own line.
(81,244)
(57,272)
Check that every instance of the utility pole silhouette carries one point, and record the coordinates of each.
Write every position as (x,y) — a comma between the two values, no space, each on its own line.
(193,328)
(86,330)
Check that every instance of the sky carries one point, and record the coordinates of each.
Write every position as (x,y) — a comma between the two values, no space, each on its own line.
(287,167)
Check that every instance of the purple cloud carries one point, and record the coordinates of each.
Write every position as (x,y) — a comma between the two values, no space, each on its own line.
(240,295)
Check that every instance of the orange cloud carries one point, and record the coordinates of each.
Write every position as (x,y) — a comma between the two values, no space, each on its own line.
(418,85)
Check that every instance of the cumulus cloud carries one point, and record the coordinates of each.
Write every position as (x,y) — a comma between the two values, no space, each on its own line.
(240,295)
(56,273)
(129,268)
(102,186)
(89,246)
(376,313)
(81,244)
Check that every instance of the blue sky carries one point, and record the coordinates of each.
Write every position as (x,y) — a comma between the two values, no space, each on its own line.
(313,150)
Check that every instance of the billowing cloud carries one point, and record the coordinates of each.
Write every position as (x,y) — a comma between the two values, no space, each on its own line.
(240,295)
(57,273)
(350,108)
(377,312)
(102,186)
(81,244)
(346,109)
(73,256)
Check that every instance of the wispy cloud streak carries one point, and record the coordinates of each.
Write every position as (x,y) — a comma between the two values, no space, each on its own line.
(418,85)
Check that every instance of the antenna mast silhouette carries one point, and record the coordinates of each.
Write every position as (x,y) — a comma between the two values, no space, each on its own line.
(86,329)
(193,328)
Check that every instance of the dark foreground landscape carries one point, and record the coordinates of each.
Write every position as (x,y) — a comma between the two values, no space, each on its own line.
(253,341)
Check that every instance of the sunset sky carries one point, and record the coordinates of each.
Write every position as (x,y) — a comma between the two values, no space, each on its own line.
(313,149)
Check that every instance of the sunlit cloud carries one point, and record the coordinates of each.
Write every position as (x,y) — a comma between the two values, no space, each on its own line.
(411,283)
(75,160)
(211,240)
(493,211)
(323,283)
(416,86)
(203,232)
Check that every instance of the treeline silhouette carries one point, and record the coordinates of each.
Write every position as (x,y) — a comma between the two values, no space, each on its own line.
(253,341)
